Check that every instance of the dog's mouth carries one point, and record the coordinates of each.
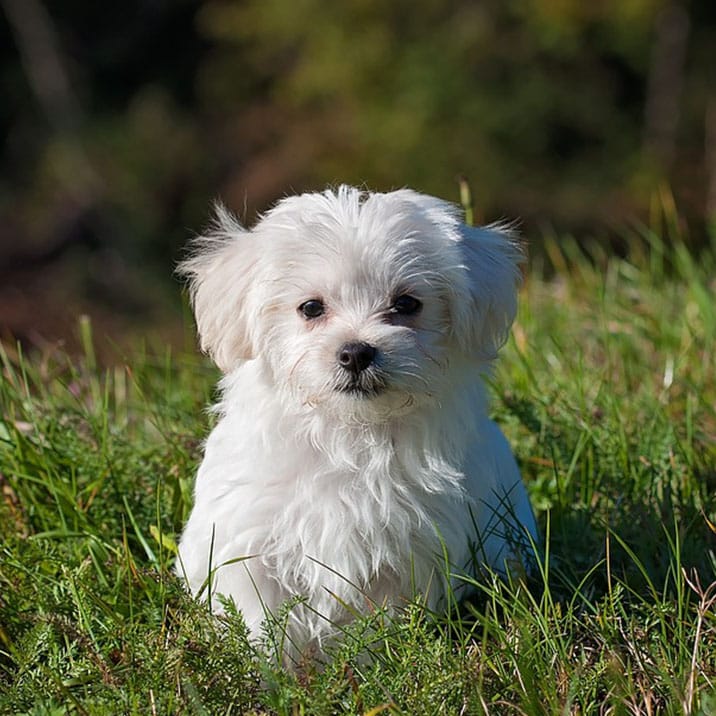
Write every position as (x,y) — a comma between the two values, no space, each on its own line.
(363,388)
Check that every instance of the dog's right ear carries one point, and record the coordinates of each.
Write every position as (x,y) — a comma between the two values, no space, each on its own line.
(222,275)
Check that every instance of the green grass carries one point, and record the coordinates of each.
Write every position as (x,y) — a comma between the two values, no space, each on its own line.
(607,392)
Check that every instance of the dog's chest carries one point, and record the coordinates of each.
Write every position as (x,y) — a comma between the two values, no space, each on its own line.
(332,511)
(361,524)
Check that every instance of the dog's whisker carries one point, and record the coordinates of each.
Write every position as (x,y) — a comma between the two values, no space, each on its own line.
(430,357)
(295,365)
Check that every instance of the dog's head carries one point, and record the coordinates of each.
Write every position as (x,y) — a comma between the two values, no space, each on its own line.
(355,302)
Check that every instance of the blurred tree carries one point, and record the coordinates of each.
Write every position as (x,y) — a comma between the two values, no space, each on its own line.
(560,112)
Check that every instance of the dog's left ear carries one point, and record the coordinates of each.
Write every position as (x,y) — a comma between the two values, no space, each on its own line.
(483,315)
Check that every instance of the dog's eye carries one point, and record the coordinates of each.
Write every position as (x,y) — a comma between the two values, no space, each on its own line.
(406,305)
(312,308)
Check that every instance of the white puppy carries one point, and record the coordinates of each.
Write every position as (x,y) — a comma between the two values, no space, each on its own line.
(353,456)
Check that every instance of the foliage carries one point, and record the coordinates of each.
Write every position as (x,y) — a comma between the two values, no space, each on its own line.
(553,109)
(607,392)
(123,123)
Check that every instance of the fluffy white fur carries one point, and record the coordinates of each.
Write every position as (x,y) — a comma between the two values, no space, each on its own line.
(338,488)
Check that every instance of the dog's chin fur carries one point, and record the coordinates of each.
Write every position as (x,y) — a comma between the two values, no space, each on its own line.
(347,489)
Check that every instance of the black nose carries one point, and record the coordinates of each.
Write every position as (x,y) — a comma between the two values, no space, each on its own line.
(356,357)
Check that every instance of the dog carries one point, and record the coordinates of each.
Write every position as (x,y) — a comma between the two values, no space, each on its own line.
(353,462)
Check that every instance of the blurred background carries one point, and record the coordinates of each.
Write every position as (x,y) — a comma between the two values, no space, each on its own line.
(122,122)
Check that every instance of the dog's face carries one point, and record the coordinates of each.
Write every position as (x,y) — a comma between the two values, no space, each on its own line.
(358,304)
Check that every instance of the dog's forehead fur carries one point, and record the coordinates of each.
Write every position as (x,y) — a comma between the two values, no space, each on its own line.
(353,246)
